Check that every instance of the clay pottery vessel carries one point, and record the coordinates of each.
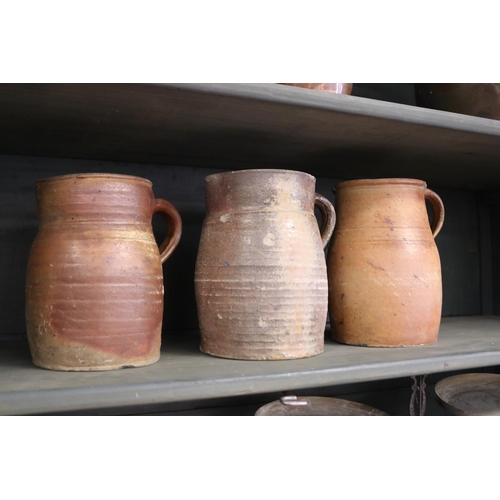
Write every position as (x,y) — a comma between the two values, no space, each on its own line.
(476,99)
(334,88)
(94,291)
(260,277)
(316,406)
(470,394)
(384,270)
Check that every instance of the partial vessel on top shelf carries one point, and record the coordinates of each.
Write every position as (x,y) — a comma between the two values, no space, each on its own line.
(334,88)
(260,278)
(476,99)
(384,270)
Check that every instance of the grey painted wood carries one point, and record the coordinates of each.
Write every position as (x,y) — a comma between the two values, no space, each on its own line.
(489,205)
(402,93)
(184,373)
(486,259)
(248,404)
(459,250)
(247,126)
(391,396)
(495,245)
(144,129)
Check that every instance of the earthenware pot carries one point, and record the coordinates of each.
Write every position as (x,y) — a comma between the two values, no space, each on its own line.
(384,269)
(94,291)
(470,394)
(260,278)
(476,99)
(293,406)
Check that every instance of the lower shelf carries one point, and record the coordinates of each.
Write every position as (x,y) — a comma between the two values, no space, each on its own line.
(183,373)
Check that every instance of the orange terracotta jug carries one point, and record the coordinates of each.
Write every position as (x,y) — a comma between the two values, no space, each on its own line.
(261,282)
(94,291)
(384,270)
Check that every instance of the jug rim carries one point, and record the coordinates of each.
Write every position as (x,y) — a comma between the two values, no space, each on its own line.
(382,182)
(96,175)
(255,170)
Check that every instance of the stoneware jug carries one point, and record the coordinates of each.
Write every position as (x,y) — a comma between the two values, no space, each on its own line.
(384,270)
(260,278)
(94,292)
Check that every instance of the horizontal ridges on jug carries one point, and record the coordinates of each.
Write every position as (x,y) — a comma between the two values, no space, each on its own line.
(381,182)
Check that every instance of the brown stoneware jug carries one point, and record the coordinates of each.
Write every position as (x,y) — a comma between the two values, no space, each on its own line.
(94,292)
(384,270)
(260,278)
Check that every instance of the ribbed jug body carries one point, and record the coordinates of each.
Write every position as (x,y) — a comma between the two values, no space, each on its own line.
(94,291)
(261,282)
(384,269)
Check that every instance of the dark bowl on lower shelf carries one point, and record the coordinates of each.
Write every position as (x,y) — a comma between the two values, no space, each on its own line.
(470,394)
(293,406)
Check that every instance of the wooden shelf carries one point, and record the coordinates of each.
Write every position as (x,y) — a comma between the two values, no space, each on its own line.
(235,126)
(184,373)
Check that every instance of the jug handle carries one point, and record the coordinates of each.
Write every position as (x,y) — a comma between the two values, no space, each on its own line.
(174,227)
(328,217)
(438,207)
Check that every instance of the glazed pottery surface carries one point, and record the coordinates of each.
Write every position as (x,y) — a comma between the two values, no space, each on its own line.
(260,278)
(470,394)
(476,99)
(334,88)
(94,291)
(292,406)
(384,269)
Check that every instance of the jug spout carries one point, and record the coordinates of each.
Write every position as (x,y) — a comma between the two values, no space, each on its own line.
(254,190)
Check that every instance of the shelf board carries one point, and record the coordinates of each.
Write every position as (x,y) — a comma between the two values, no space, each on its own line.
(236,126)
(184,373)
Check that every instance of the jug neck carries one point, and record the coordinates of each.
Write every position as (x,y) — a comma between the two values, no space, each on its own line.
(95,198)
(381,203)
(260,190)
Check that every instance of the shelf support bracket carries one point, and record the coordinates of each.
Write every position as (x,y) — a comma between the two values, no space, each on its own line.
(418,398)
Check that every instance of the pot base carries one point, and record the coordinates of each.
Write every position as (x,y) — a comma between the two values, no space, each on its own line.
(259,357)
(385,345)
(97,368)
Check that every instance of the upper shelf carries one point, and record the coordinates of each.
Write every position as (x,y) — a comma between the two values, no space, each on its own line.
(184,373)
(235,126)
